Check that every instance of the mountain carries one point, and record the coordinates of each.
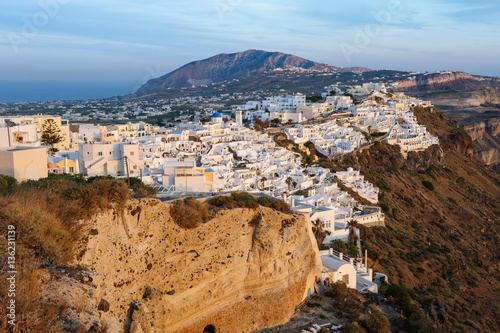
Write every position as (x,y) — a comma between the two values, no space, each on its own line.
(225,67)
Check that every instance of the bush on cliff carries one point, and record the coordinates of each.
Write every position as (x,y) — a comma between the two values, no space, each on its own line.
(45,213)
(188,213)
(45,216)
(246,200)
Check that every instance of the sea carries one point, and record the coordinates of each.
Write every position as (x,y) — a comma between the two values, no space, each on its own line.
(33,91)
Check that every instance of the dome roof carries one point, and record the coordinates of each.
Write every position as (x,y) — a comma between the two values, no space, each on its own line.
(216,115)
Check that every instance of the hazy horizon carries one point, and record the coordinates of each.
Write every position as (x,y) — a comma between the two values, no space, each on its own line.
(61,41)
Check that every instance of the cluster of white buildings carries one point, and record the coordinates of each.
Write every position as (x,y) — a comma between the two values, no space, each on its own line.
(330,139)
(390,115)
(293,108)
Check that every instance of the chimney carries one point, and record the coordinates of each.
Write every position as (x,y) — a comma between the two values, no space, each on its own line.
(351,261)
(341,256)
(370,274)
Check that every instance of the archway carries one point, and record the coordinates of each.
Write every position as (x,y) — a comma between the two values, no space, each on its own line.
(209,329)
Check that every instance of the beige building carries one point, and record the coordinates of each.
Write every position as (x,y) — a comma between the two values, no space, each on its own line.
(106,158)
(24,163)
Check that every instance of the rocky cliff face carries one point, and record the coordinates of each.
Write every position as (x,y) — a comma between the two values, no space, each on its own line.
(243,270)
(448,81)
(224,67)
(486,138)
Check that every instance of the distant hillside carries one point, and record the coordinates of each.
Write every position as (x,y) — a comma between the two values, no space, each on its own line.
(224,67)
(448,81)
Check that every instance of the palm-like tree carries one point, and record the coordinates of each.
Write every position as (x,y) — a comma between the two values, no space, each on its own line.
(263,180)
(318,231)
(351,225)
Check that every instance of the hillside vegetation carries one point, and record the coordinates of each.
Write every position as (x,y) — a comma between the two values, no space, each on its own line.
(442,235)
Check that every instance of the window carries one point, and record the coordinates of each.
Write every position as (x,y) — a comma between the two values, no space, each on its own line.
(131,153)
(99,153)
(71,169)
(109,153)
(345,279)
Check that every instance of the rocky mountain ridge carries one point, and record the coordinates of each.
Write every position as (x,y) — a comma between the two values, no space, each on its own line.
(225,67)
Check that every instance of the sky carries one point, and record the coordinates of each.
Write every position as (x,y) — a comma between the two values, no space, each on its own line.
(79,49)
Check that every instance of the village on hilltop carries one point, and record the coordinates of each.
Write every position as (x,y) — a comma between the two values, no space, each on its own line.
(222,151)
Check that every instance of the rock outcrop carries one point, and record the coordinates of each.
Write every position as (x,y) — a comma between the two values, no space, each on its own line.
(243,270)
(486,139)
(448,81)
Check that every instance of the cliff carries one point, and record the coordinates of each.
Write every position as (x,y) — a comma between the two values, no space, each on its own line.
(486,139)
(243,270)
(448,81)
(442,227)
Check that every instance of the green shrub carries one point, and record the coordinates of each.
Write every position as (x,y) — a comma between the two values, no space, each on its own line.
(338,245)
(377,322)
(313,304)
(142,189)
(402,297)
(309,145)
(353,328)
(460,180)
(428,185)
(416,323)
(6,184)
(409,201)
(384,206)
(338,288)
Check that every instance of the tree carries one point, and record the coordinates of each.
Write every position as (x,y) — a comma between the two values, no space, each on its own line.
(263,180)
(258,124)
(319,232)
(289,181)
(51,135)
(333,93)
(276,121)
(294,184)
(351,225)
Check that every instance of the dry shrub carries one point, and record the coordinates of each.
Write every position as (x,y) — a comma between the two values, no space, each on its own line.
(39,229)
(46,213)
(31,314)
(81,328)
(189,213)
(103,194)
(103,327)
(80,302)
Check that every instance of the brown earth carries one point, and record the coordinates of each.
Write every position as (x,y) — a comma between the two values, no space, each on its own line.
(443,224)
(241,271)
